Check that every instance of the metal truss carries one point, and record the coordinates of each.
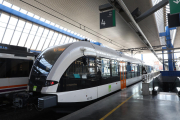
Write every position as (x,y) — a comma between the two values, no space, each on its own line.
(140,49)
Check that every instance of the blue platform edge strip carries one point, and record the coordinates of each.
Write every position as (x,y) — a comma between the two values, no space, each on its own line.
(31,19)
(170,73)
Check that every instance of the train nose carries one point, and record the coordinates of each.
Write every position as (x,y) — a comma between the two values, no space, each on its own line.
(36,84)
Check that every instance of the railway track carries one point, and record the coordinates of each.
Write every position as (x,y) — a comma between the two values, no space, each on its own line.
(8,112)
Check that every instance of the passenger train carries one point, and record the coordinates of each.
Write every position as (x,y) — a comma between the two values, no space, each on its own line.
(15,66)
(81,72)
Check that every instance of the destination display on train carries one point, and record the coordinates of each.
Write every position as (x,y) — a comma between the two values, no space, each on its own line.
(59,49)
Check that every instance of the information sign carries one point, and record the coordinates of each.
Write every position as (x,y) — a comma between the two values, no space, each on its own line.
(107,19)
(174,6)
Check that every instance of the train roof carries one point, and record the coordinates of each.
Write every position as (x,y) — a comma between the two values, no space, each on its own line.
(100,51)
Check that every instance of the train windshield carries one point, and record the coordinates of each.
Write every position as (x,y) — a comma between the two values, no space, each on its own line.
(45,61)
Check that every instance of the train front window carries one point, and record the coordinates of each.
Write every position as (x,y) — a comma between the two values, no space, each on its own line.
(47,59)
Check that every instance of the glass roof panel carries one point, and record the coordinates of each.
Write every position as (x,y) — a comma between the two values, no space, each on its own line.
(30,14)
(58,39)
(36,40)
(23,11)
(50,34)
(23,33)
(7,4)
(43,38)
(20,25)
(15,38)
(52,24)
(1,1)
(4,18)
(46,44)
(2,30)
(67,40)
(12,23)
(42,41)
(15,8)
(23,39)
(71,40)
(7,36)
(42,19)
(36,17)
(53,39)
(62,40)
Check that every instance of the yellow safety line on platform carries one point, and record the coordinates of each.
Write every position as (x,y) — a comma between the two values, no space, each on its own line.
(115,108)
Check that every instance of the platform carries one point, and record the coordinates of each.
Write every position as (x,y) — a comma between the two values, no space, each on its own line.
(129,104)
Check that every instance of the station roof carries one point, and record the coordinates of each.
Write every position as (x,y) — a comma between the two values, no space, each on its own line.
(82,16)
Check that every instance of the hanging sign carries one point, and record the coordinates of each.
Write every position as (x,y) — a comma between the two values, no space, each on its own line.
(107,19)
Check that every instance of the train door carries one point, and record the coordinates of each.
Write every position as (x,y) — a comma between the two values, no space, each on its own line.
(124,68)
(122,75)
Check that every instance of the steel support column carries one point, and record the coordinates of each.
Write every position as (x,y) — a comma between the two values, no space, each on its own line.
(174,66)
(152,10)
(163,59)
(169,45)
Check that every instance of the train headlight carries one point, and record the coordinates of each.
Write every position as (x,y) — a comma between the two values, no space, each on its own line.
(50,83)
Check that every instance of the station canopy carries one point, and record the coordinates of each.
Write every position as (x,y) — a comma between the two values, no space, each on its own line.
(81,18)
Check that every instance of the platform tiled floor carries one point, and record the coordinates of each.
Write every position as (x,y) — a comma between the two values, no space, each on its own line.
(161,107)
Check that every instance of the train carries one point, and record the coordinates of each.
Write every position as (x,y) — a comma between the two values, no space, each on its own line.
(15,66)
(81,72)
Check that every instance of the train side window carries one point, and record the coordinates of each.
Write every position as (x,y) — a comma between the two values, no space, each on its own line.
(114,68)
(138,70)
(78,70)
(135,71)
(105,68)
(3,68)
(19,68)
(148,70)
(132,70)
(91,65)
(80,74)
(128,68)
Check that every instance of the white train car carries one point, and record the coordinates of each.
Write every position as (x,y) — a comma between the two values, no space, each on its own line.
(15,66)
(81,72)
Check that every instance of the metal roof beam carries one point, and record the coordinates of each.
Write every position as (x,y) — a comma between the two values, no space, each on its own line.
(152,10)
(122,10)
(167,49)
(105,7)
(141,48)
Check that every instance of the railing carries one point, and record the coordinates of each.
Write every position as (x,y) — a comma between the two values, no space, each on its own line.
(148,77)
(160,83)
(148,84)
